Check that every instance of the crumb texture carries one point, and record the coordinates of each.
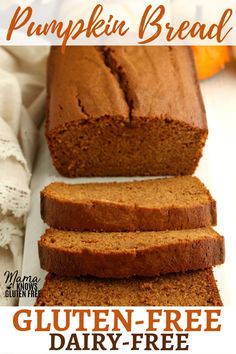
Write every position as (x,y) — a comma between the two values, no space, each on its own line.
(188,289)
(158,193)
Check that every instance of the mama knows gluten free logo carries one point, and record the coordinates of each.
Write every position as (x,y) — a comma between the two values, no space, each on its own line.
(17,286)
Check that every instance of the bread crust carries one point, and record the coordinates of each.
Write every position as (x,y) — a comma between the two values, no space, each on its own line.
(151,260)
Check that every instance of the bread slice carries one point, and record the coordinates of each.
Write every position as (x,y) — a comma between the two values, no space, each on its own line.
(150,205)
(117,255)
(196,288)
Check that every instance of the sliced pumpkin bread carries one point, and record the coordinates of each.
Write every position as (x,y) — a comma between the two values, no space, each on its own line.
(196,288)
(149,205)
(125,254)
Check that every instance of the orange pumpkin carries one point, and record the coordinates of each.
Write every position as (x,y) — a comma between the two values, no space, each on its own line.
(210,60)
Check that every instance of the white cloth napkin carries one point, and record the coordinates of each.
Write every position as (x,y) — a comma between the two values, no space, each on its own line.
(22,102)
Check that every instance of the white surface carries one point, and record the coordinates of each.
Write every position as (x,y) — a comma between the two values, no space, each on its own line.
(216,169)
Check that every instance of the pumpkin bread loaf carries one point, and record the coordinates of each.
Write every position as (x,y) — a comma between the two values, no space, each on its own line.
(151,205)
(126,254)
(124,111)
(196,288)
